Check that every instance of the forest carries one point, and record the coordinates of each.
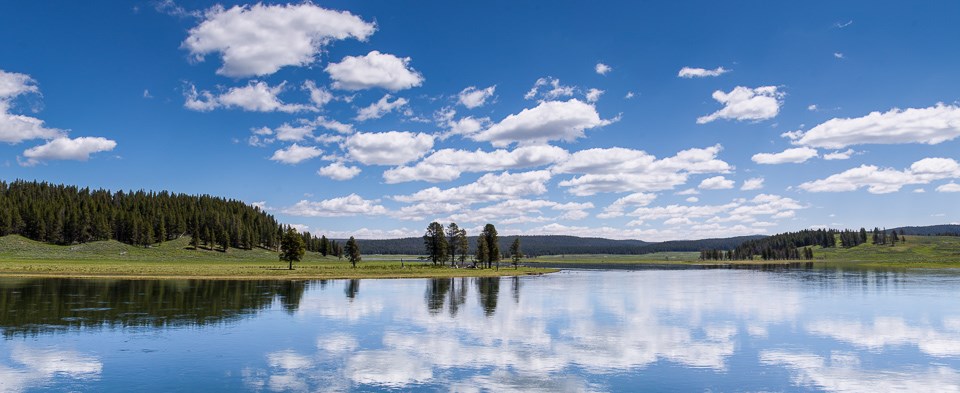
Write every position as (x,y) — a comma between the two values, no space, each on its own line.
(61,214)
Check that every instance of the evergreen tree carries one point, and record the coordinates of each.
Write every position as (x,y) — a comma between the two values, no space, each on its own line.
(353,251)
(483,252)
(453,242)
(324,245)
(515,253)
(493,245)
(291,247)
(435,242)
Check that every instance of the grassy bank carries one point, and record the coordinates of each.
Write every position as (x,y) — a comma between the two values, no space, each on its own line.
(917,252)
(21,257)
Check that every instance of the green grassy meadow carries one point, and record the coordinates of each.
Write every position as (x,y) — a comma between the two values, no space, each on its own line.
(176,259)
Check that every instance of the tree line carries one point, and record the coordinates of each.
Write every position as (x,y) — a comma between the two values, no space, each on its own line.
(799,245)
(62,214)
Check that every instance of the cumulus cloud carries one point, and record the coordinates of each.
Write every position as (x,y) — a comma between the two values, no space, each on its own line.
(373,70)
(690,72)
(350,205)
(932,125)
(388,148)
(548,89)
(741,211)
(489,187)
(716,183)
(949,187)
(511,211)
(593,95)
(752,184)
(18,128)
(602,69)
(256,96)
(744,103)
(63,148)
(339,171)
(260,39)
(377,109)
(448,164)
(318,95)
(839,155)
(886,180)
(472,97)
(295,154)
(791,156)
(332,125)
(627,170)
(548,121)
(617,208)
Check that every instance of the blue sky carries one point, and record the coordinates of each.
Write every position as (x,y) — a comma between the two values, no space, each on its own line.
(622,120)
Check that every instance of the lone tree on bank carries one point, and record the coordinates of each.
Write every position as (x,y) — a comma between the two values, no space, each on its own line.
(435,241)
(515,254)
(493,245)
(291,247)
(353,251)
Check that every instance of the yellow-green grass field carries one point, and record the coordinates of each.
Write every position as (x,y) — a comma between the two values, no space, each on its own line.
(21,257)
(916,252)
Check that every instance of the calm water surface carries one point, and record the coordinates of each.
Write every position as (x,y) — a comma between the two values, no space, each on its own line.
(660,330)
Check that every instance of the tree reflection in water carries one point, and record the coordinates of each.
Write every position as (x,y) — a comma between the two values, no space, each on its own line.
(33,306)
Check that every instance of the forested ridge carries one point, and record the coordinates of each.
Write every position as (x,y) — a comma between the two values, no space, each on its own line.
(62,214)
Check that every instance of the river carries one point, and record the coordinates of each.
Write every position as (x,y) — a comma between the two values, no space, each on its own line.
(577,330)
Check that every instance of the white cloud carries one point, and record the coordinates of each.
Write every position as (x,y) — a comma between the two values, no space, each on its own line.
(472,97)
(318,95)
(617,208)
(886,180)
(448,164)
(374,70)
(752,184)
(693,199)
(489,187)
(932,125)
(628,96)
(716,183)
(256,96)
(949,187)
(744,103)
(295,154)
(63,148)
(388,148)
(843,373)
(602,69)
(593,95)
(548,121)
(377,109)
(627,170)
(332,125)
(466,126)
(260,39)
(287,132)
(339,171)
(838,55)
(739,210)
(839,155)
(19,128)
(690,72)
(791,156)
(812,107)
(556,90)
(350,205)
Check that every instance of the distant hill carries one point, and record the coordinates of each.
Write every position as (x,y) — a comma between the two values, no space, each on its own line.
(561,245)
(931,230)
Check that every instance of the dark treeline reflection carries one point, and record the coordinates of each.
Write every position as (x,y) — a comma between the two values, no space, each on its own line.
(453,293)
(353,286)
(29,306)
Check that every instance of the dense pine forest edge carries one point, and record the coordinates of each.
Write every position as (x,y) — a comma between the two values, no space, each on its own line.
(64,215)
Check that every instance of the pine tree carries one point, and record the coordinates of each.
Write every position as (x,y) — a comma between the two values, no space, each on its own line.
(515,253)
(483,251)
(453,242)
(493,245)
(435,242)
(353,251)
(291,247)
(324,245)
